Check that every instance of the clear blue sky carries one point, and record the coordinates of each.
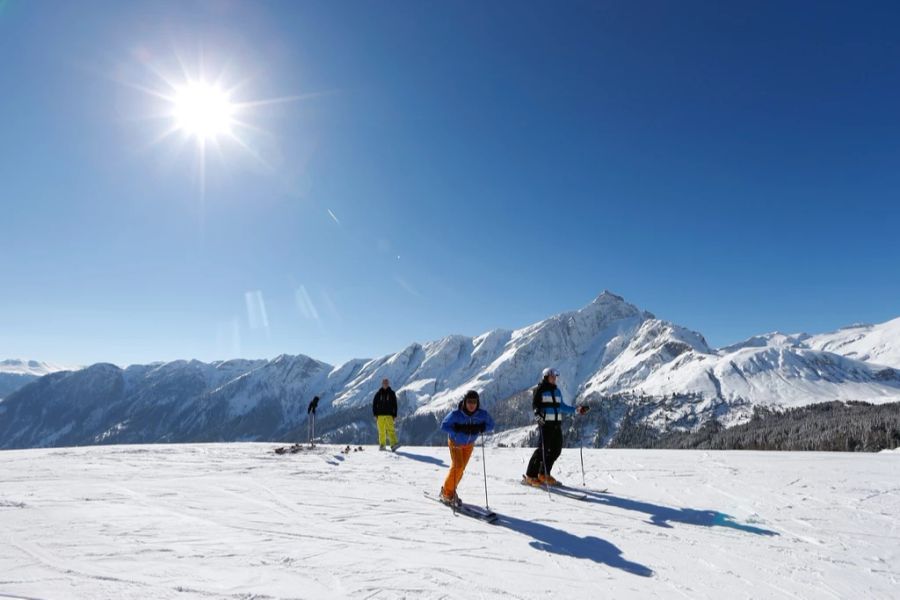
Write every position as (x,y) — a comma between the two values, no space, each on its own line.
(735,170)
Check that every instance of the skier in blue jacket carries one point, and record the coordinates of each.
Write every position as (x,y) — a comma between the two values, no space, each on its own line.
(463,427)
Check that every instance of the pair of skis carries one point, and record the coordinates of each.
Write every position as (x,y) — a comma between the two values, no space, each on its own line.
(489,516)
(565,490)
(468,510)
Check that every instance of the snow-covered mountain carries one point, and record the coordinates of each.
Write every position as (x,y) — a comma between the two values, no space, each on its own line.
(16,373)
(879,344)
(30,367)
(620,359)
(696,383)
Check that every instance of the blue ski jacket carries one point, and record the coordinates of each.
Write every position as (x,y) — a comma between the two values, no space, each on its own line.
(464,428)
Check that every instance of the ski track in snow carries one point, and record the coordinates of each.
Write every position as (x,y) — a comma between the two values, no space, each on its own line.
(236,521)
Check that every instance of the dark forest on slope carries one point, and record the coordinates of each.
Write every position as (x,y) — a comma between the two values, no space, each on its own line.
(829,426)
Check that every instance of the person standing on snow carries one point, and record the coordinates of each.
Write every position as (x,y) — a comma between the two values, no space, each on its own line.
(311,420)
(463,425)
(384,408)
(548,408)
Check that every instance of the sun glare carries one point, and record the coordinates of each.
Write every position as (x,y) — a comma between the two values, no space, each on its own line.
(203,111)
(207,111)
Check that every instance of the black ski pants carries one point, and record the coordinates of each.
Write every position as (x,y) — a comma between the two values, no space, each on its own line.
(550,445)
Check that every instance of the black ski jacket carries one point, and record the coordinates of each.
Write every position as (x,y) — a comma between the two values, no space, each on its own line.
(548,404)
(384,402)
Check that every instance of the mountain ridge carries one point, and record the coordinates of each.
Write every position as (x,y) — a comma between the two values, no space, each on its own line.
(609,353)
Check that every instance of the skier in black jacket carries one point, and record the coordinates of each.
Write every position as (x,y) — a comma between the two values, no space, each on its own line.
(311,420)
(384,408)
(548,410)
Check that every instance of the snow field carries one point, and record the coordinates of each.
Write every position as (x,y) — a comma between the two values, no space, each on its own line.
(238,521)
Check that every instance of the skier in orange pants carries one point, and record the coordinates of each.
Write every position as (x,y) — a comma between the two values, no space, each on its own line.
(463,427)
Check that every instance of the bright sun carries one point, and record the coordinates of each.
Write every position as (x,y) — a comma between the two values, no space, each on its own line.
(203,111)
(206,110)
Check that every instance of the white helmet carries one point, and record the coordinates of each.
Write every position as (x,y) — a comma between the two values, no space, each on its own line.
(549,371)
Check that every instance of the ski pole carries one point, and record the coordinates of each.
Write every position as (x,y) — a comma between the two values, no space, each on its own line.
(484,470)
(581,453)
(544,462)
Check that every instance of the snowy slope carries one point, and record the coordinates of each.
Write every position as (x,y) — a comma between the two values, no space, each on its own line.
(675,381)
(237,521)
(780,375)
(879,344)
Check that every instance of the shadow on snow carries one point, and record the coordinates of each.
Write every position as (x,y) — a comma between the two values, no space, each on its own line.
(550,539)
(662,516)
(421,458)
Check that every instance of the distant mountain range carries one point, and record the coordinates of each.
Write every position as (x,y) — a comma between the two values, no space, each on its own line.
(15,373)
(629,365)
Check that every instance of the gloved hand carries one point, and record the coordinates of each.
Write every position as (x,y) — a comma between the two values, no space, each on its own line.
(539,419)
(582,409)
(470,428)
